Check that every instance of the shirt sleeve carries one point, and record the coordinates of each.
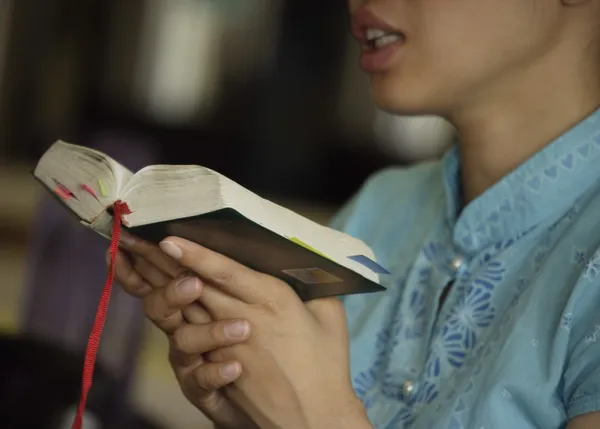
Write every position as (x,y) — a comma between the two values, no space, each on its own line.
(582,373)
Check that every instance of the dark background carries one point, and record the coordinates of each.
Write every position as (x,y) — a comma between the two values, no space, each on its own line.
(275,131)
(267,92)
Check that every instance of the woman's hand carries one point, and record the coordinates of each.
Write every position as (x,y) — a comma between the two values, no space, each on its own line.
(295,365)
(170,301)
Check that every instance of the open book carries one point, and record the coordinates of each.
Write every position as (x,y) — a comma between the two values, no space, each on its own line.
(204,206)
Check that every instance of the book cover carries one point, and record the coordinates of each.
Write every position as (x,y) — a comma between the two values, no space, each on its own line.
(229,233)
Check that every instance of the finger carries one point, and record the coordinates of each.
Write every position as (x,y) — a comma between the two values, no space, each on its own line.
(128,278)
(224,354)
(235,279)
(163,306)
(151,253)
(128,241)
(195,314)
(197,339)
(330,314)
(150,272)
(183,363)
(218,304)
(213,376)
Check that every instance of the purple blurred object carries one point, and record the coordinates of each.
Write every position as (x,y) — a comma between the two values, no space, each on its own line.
(66,271)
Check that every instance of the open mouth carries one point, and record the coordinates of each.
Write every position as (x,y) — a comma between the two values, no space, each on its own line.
(377,38)
(380,41)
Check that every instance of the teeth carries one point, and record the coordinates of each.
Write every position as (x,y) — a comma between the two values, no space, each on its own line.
(386,40)
(374,33)
(378,38)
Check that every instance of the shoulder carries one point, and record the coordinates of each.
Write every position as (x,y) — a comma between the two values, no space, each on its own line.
(573,272)
(582,371)
(575,256)
(566,262)
(396,193)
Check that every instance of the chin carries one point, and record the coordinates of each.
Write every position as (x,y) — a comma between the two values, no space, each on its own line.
(404,97)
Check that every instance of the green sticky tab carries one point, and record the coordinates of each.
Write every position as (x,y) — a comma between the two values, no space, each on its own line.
(306,246)
(102,188)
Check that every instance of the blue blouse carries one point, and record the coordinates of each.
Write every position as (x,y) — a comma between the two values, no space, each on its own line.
(516,343)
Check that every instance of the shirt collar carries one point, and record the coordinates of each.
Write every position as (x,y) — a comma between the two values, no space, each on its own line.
(538,191)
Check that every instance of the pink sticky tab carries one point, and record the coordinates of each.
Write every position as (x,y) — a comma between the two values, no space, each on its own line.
(89,190)
(61,193)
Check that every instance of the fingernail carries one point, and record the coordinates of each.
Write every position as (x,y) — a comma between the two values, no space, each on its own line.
(236,330)
(231,371)
(127,240)
(188,287)
(143,290)
(171,249)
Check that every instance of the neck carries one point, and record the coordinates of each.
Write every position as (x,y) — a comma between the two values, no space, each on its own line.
(500,132)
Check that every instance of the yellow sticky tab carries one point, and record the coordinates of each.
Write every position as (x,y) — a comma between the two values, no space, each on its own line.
(102,188)
(306,246)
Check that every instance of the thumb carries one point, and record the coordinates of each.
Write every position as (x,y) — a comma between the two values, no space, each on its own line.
(330,314)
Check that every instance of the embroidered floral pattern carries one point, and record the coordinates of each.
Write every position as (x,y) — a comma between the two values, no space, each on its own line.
(593,337)
(427,393)
(454,354)
(506,394)
(578,257)
(567,321)
(592,269)
(375,381)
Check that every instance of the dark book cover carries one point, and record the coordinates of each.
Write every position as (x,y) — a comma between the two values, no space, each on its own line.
(231,234)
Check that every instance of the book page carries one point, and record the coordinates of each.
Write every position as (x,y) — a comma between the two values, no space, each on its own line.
(165,192)
(84,180)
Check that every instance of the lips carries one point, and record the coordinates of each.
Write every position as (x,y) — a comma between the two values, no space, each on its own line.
(378,39)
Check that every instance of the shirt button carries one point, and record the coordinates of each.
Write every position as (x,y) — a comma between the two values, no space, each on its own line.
(457,263)
(408,387)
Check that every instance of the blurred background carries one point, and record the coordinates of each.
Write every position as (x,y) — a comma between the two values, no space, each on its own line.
(267,92)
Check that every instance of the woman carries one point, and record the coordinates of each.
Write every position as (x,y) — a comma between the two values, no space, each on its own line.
(491,316)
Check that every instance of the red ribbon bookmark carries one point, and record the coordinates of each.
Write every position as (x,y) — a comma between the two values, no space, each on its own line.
(120,209)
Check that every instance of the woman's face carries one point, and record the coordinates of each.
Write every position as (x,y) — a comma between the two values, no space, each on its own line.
(444,54)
